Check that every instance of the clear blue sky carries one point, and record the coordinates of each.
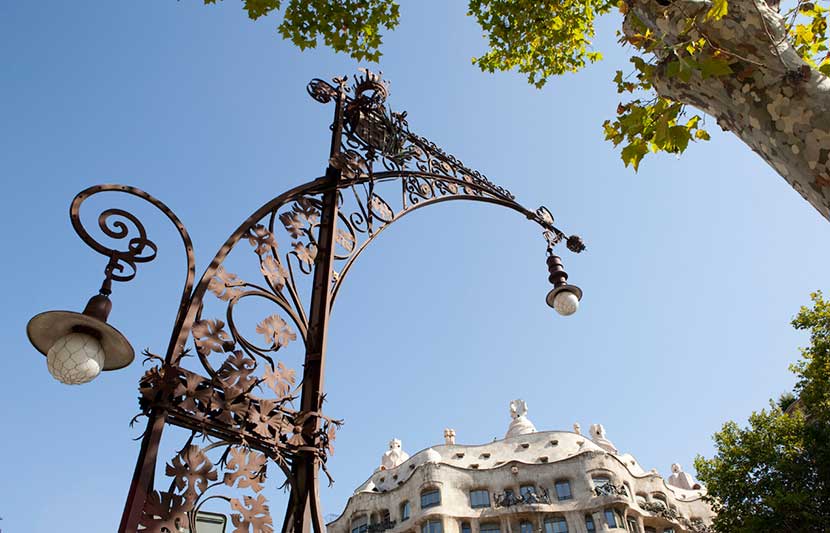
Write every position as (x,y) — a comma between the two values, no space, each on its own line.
(694,267)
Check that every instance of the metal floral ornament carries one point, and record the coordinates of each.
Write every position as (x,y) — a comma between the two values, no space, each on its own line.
(249,411)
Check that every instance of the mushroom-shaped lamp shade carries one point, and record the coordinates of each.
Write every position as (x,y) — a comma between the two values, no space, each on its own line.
(565,299)
(78,346)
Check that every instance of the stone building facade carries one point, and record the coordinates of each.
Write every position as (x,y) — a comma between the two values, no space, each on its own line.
(528,482)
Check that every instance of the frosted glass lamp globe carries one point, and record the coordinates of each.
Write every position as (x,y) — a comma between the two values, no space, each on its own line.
(564,299)
(75,358)
(565,303)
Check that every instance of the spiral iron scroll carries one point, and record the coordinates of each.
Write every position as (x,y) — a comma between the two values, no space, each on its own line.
(115,224)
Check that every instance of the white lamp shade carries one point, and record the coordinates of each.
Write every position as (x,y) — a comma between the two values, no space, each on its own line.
(75,358)
(566,303)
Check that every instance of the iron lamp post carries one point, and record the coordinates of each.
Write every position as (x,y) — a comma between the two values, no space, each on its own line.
(229,389)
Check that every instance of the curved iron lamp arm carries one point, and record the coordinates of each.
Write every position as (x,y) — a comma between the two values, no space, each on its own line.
(119,260)
(421,189)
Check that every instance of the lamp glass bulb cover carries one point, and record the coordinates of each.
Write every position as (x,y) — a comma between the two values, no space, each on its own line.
(566,303)
(75,358)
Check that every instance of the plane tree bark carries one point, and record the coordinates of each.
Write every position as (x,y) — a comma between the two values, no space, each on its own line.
(773,101)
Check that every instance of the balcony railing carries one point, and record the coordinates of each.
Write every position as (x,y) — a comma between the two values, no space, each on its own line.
(658,508)
(609,489)
(509,499)
(381,526)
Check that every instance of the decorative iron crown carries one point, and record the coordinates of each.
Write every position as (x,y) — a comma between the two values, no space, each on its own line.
(372,86)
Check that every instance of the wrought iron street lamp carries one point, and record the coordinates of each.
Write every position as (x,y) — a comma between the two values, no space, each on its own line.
(239,398)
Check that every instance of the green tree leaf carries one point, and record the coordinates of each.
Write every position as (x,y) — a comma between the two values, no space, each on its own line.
(714,66)
(633,153)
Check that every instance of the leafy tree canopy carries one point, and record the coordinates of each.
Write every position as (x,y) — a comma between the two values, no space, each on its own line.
(351,26)
(545,38)
(774,474)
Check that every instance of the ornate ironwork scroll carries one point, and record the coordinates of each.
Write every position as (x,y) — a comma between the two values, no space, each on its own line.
(392,171)
(225,384)
(240,398)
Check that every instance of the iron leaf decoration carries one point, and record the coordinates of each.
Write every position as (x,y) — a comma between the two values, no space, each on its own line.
(192,472)
(252,517)
(276,331)
(293,224)
(245,469)
(237,373)
(196,392)
(210,336)
(194,475)
(225,285)
(261,239)
(280,379)
(306,254)
(273,271)
(164,512)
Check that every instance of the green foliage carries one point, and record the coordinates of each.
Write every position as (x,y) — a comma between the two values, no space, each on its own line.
(813,370)
(546,38)
(351,26)
(774,475)
(656,124)
(809,35)
(539,38)
(652,123)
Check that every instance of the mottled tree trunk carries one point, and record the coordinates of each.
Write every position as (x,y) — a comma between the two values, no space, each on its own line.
(773,101)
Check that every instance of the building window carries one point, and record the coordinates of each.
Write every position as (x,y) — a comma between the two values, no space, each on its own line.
(527,492)
(659,496)
(557,524)
(599,481)
(668,530)
(479,498)
(650,530)
(589,523)
(632,526)
(490,527)
(432,526)
(525,527)
(465,527)
(430,498)
(563,490)
(360,524)
(613,519)
(406,510)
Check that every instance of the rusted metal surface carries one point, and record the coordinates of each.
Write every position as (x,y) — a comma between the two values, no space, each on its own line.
(231,391)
